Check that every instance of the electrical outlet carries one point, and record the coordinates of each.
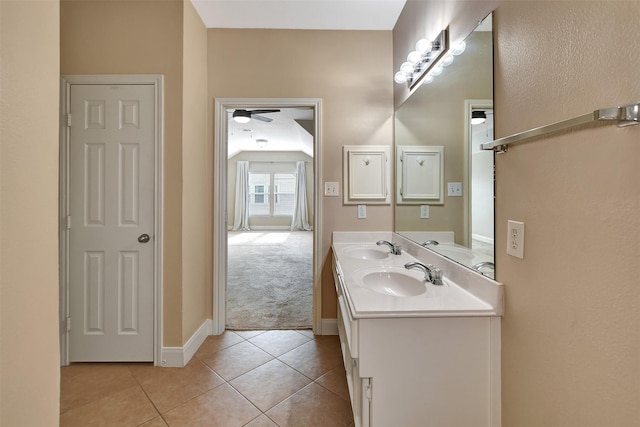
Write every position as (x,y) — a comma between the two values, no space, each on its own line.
(331,189)
(515,239)
(454,189)
(362,211)
(424,211)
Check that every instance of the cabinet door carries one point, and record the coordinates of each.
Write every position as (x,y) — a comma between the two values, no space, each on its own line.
(420,174)
(367,174)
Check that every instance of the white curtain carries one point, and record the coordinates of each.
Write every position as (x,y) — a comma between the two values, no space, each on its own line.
(241,214)
(300,220)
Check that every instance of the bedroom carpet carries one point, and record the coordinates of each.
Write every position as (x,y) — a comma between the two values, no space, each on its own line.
(269,280)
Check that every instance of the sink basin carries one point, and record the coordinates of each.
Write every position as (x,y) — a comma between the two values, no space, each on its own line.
(394,281)
(366,253)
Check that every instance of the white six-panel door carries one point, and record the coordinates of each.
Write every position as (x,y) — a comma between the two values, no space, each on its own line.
(111,206)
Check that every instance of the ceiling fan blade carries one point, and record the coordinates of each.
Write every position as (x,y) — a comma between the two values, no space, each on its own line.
(261,118)
(263,111)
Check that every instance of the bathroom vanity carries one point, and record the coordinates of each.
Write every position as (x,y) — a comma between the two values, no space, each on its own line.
(416,354)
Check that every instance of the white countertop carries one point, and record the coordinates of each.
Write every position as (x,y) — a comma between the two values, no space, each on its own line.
(464,292)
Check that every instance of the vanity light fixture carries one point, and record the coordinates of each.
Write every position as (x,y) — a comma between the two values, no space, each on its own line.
(478,117)
(422,59)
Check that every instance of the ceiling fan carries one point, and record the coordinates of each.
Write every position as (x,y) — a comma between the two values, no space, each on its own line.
(244,116)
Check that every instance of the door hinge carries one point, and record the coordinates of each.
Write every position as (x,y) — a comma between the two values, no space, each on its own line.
(367,391)
(68,222)
(69,120)
(68,324)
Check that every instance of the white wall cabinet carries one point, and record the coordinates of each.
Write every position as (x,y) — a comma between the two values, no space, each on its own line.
(420,371)
(420,174)
(366,174)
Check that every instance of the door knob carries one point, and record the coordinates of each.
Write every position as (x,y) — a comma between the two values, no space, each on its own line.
(144,238)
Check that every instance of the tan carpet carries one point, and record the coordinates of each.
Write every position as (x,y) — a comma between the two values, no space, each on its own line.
(270,280)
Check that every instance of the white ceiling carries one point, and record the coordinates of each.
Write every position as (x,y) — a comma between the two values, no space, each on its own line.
(300,14)
(284,133)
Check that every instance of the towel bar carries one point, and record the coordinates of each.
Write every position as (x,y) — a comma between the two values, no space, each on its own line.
(623,116)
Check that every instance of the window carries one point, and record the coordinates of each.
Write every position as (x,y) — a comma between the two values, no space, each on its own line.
(259,184)
(285,191)
(262,185)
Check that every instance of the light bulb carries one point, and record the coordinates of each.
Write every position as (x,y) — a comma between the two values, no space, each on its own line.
(242,119)
(459,49)
(407,68)
(414,57)
(437,70)
(423,46)
(400,77)
(448,60)
(427,79)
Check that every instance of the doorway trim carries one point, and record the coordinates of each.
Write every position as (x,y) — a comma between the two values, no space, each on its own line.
(220,201)
(66,81)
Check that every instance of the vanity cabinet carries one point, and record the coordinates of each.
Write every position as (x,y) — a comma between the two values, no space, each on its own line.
(420,371)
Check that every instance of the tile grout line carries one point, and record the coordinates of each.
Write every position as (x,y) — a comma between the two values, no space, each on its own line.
(228,382)
(148,398)
(312,380)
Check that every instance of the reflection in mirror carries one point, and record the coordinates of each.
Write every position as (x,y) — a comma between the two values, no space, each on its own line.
(451,207)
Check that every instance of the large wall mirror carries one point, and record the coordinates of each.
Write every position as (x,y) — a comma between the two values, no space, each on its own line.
(445,182)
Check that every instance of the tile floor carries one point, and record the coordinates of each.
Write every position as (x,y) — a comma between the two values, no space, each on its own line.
(239,378)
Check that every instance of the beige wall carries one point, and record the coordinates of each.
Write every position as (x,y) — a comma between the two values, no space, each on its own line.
(570,343)
(570,332)
(194,151)
(29,99)
(348,70)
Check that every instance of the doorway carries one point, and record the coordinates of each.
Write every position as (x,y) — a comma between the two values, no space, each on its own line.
(110,211)
(480,176)
(222,220)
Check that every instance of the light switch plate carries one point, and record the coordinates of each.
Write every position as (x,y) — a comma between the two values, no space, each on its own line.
(362,211)
(515,239)
(454,189)
(331,189)
(424,211)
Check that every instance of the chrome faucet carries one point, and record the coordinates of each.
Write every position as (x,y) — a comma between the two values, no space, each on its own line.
(482,264)
(432,274)
(395,248)
(430,242)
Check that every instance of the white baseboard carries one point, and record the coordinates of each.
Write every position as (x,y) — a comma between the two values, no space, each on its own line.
(329,326)
(178,357)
